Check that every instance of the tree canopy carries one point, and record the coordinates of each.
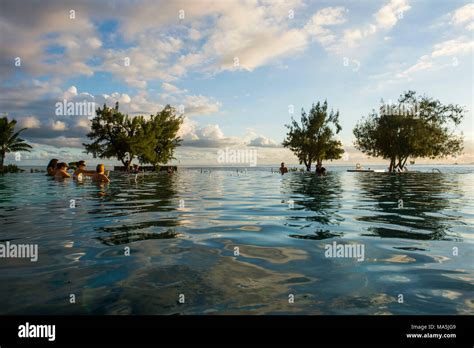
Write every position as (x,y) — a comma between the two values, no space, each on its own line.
(10,140)
(151,140)
(314,140)
(427,130)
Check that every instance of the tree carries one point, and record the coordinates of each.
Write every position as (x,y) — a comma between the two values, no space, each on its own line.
(314,140)
(117,135)
(10,140)
(114,135)
(159,135)
(417,127)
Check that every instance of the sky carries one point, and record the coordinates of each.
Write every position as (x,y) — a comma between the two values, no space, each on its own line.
(238,70)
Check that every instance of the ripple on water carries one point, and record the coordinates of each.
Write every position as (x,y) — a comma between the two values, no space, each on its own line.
(183,229)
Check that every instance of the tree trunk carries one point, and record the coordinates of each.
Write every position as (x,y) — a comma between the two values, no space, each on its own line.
(392,165)
(2,158)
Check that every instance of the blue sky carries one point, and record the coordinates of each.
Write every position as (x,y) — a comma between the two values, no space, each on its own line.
(236,67)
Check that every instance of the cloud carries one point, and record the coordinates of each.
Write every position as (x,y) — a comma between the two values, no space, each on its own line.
(464,15)
(29,122)
(59,126)
(423,63)
(328,16)
(209,136)
(200,105)
(449,48)
(389,14)
(263,141)
(168,87)
(453,47)
(384,19)
(63,142)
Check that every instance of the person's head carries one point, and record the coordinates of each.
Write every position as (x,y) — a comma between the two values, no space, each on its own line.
(282,164)
(81,164)
(100,168)
(53,163)
(62,166)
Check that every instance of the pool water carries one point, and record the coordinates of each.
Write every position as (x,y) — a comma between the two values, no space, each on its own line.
(230,242)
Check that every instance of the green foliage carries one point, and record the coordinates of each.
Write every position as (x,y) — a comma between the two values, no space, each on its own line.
(152,140)
(11,168)
(158,135)
(314,139)
(10,140)
(426,132)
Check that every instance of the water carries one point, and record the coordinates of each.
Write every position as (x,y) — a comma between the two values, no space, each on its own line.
(280,225)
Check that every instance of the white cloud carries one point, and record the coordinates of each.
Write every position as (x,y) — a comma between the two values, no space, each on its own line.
(449,48)
(209,136)
(200,105)
(384,19)
(70,92)
(464,14)
(423,63)
(29,122)
(121,98)
(168,87)
(458,46)
(83,122)
(389,14)
(262,141)
(325,17)
(59,126)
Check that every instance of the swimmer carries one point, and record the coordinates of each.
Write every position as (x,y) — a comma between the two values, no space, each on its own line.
(51,169)
(81,170)
(99,175)
(61,171)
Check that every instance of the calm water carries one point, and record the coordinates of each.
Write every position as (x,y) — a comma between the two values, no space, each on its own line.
(191,250)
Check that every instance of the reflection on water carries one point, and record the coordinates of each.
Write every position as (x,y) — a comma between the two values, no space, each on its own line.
(409,206)
(240,243)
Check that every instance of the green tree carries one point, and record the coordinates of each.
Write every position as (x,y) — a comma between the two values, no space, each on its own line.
(314,140)
(114,135)
(415,127)
(159,137)
(10,140)
(151,140)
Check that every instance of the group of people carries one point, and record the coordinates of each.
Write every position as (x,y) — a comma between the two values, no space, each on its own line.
(59,170)
(320,170)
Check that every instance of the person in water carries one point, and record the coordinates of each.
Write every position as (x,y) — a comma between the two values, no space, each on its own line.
(51,169)
(99,175)
(283,169)
(81,170)
(61,171)
(320,170)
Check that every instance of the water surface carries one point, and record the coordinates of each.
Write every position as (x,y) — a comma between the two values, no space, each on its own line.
(184,232)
